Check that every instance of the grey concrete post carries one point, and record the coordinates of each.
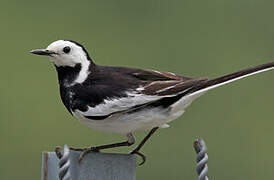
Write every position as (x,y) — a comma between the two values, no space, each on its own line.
(94,166)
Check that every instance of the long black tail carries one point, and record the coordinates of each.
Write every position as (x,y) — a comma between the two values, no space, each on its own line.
(213,83)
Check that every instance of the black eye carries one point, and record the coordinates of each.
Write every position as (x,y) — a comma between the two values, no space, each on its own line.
(66,49)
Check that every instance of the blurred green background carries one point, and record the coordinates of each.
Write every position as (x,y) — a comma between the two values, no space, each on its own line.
(194,38)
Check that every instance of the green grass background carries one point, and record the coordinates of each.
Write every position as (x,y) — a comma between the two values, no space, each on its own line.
(194,38)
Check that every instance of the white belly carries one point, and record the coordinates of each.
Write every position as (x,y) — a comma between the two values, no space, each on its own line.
(147,119)
(126,123)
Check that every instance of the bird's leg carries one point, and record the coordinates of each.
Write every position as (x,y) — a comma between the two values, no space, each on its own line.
(129,142)
(137,149)
(77,149)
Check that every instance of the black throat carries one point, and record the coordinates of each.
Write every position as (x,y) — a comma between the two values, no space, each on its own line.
(66,77)
(67,74)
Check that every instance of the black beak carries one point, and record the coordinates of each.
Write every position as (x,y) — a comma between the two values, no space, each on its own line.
(43,52)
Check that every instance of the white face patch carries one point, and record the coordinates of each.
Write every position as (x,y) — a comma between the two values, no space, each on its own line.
(74,56)
(69,54)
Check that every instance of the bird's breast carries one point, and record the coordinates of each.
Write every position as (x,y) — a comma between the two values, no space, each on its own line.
(72,100)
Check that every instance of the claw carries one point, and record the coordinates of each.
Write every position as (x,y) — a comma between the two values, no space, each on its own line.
(85,151)
(141,155)
(58,152)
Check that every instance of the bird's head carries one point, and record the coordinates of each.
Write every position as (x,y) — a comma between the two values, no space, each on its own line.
(65,53)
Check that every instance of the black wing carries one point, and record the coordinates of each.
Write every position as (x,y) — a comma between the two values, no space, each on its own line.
(110,90)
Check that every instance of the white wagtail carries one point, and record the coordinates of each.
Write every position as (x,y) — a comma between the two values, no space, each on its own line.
(124,100)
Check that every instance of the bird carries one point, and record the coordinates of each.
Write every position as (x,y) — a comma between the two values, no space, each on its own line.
(124,100)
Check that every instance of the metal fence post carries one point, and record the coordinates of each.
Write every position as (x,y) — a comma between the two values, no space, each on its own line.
(202,159)
(94,166)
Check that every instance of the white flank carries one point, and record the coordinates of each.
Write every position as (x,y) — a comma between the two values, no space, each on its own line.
(119,104)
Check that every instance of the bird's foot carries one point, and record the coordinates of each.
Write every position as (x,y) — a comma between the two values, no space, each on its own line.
(85,151)
(141,155)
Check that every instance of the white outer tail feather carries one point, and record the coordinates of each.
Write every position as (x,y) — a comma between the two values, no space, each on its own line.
(189,97)
(226,82)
